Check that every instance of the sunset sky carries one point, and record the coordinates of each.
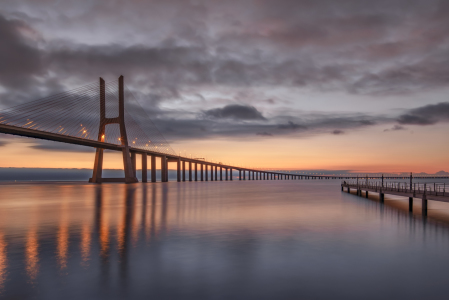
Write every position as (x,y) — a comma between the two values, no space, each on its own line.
(280,84)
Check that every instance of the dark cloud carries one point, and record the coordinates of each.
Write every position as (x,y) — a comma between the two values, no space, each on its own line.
(395,128)
(426,115)
(291,125)
(264,133)
(20,59)
(58,146)
(236,112)
(338,132)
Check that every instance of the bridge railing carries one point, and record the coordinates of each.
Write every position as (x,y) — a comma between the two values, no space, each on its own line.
(434,188)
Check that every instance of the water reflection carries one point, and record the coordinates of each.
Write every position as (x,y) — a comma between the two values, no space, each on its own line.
(216,240)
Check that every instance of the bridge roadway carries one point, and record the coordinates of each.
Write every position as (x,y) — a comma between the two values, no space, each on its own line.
(252,173)
(424,191)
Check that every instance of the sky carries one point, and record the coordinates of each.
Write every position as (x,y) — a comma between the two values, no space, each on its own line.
(271,84)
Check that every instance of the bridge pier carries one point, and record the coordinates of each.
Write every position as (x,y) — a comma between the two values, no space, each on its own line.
(424,204)
(366,194)
(144,168)
(240,174)
(206,167)
(164,171)
(153,168)
(230,174)
(190,171)
(196,171)
(381,197)
(410,204)
(183,171)
(178,170)
(221,174)
(201,172)
(133,163)
(244,175)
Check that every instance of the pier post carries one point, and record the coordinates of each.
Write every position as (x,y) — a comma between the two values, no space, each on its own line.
(244,174)
(366,194)
(240,174)
(226,174)
(201,173)
(410,203)
(342,187)
(230,174)
(190,171)
(221,174)
(424,201)
(144,168)
(206,167)
(216,177)
(153,168)
(381,197)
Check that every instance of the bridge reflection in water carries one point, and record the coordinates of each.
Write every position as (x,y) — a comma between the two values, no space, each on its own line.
(119,241)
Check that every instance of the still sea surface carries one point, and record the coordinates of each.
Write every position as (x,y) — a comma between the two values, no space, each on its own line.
(301,239)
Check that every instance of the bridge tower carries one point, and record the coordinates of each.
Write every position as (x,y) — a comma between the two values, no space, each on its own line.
(130,176)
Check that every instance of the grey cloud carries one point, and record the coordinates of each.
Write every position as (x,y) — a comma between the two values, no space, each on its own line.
(264,133)
(19,57)
(236,112)
(338,132)
(57,146)
(291,125)
(426,115)
(395,128)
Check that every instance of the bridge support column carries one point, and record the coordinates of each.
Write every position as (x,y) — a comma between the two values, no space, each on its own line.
(366,194)
(178,170)
(153,168)
(164,171)
(144,168)
(190,171)
(240,174)
(221,174)
(410,203)
(230,174)
(201,172)
(183,170)
(196,171)
(207,175)
(133,163)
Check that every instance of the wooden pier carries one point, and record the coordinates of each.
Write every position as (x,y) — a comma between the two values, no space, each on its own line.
(423,191)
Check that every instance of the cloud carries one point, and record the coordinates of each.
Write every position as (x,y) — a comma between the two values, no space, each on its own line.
(426,115)
(395,128)
(264,133)
(236,112)
(338,132)
(291,125)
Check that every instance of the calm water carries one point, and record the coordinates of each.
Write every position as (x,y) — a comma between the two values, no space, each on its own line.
(218,240)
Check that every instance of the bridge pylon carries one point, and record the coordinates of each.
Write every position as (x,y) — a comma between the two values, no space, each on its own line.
(130,176)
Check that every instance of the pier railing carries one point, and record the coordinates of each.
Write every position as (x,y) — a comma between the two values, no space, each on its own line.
(434,188)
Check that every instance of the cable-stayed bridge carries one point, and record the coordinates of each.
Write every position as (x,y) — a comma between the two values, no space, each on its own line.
(97,115)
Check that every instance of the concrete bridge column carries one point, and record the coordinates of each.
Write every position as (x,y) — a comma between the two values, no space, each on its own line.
(216,173)
(221,174)
(183,170)
(244,173)
(201,172)
(133,163)
(226,174)
(164,171)
(153,168)
(144,168)
(178,170)
(206,167)
(190,171)
(410,203)
(230,174)
(240,174)
(381,197)
(366,194)
(196,171)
